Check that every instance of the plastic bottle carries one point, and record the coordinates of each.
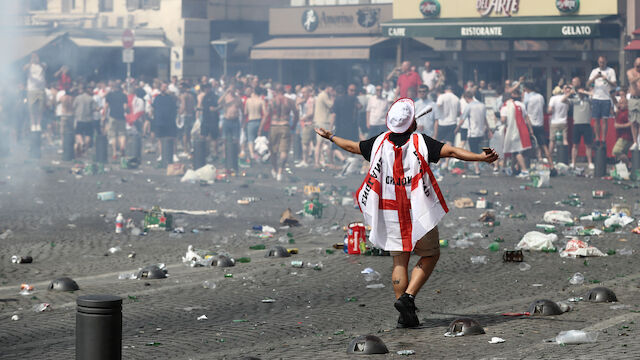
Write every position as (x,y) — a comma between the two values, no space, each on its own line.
(479,259)
(524,266)
(494,246)
(375,286)
(576,337)
(119,223)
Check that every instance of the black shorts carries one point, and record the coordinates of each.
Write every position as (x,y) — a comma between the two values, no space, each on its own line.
(474,144)
(162,132)
(210,128)
(84,128)
(445,133)
(541,137)
(463,134)
(582,131)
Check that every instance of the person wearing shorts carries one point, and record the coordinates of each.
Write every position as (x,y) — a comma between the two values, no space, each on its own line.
(408,224)
(559,109)
(280,131)
(603,80)
(256,109)
(581,125)
(307,133)
(83,109)
(623,130)
(633,77)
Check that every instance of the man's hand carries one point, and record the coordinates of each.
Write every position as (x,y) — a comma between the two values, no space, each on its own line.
(490,157)
(324,133)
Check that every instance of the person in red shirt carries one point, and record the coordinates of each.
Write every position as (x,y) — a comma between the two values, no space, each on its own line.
(407,79)
(64,80)
(623,129)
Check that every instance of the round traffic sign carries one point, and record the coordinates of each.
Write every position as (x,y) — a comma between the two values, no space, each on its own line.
(127,39)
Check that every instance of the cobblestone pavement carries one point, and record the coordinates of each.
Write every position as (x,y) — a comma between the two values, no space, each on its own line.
(56,218)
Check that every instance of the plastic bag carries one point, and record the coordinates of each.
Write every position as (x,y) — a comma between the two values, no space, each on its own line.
(558,217)
(534,240)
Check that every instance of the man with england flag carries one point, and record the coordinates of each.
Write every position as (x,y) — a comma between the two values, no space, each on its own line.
(401,200)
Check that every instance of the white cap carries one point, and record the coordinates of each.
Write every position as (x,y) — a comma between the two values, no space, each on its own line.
(400,115)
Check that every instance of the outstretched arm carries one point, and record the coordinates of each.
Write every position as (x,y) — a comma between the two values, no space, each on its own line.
(348,145)
(462,154)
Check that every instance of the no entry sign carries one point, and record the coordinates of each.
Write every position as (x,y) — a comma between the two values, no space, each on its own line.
(127,39)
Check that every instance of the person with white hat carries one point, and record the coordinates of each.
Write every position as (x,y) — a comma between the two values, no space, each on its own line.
(401,200)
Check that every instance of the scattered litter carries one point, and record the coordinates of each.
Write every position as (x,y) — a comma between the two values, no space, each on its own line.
(487,216)
(558,217)
(524,266)
(406,352)
(375,286)
(206,174)
(534,240)
(202,317)
(26,289)
(575,299)
(21,259)
(575,248)
(576,279)
(15,318)
(479,259)
(127,276)
(5,235)
(624,251)
(209,284)
(287,218)
(268,301)
(370,274)
(496,340)
(106,196)
(42,307)
(620,219)
(573,337)
(462,203)
(620,307)
(115,249)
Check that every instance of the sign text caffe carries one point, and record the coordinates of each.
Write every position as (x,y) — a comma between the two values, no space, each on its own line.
(334,20)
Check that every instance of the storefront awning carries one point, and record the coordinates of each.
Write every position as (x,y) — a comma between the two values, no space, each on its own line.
(531,27)
(24,45)
(633,45)
(114,42)
(316,48)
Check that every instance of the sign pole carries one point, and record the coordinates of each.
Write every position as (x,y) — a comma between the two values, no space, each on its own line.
(225,60)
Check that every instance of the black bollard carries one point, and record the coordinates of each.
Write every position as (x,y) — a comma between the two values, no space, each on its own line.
(101,147)
(133,147)
(167,151)
(68,142)
(601,162)
(563,154)
(200,154)
(635,163)
(35,142)
(99,327)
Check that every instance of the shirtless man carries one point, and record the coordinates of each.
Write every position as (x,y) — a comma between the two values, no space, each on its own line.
(633,75)
(280,109)
(231,105)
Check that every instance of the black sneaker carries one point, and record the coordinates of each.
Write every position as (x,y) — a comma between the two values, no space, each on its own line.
(553,173)
(407,309)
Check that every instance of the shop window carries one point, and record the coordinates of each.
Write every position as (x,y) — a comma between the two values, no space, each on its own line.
(189,52)
(37,5)
(143,4)
(105,6)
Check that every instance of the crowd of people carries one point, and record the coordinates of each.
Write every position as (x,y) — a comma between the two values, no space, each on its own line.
(233,112)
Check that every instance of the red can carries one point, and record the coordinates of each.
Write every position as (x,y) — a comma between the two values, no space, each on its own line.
(356,237)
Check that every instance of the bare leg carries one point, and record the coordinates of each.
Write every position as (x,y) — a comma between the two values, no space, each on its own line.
(589,155)
(574,154)
(400,275)
(545,148)
(634,132)
(597,129)
(421,273)
(521,163)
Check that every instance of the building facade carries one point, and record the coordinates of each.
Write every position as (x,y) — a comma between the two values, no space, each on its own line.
(311,43)
(494,40)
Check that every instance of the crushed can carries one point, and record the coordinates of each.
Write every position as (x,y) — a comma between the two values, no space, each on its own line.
(313,208)
(156,219)
(356,238)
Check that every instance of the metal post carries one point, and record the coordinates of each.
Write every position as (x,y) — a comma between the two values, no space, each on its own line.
(200,153)
(68,142)
(167,151)
(601,162)
(128,77)
(563,154)
(99,327)
(635,163)
(101,149)
(226,55)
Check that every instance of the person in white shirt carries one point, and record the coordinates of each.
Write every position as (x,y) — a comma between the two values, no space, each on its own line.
(388,92)
(534,103)
(475,114)
(430,77)
(449,105)
(427,124)
(603,79)
(559,108)
(377,107)
(368,87)
(36,84)
(517,135)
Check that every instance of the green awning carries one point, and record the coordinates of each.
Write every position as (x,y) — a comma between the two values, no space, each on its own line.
(529,27)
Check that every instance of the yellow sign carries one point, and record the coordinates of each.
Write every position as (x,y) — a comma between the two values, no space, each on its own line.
(411,9)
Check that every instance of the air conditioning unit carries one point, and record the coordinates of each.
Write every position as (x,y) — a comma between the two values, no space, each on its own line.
(104,21)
